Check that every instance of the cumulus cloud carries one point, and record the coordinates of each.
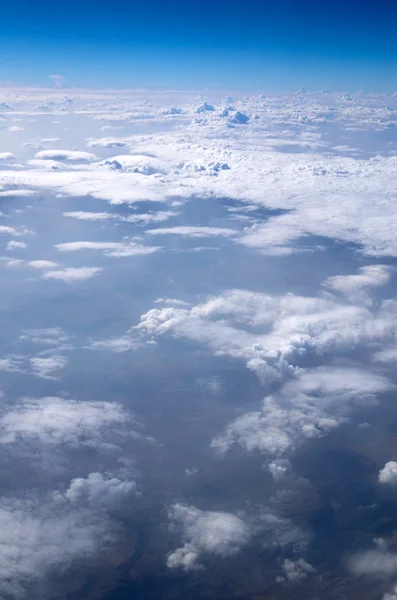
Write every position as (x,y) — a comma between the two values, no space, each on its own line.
(63,421)
(389,473)
(98,491)
(205,532)
(391,595)
(355,287)
(271,332)
(307,407)
(133,163)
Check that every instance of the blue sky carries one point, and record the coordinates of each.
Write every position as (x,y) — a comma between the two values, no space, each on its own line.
(226,44)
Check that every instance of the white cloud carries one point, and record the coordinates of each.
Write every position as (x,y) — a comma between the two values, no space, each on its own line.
(72,155)
(4,230)
(59,421)
(291,327)
(43,264)
(194,232)
(17,193)
(389,473)
(7,156)
(278,532)
(116,249)
(391,595)
(297,570)
(205,532)
(133,163)
(47,366)
(107,143)
(38,537)
(308,406)
(99,491)
(374,562)
(171,301)
(355,287)
(82,215)
(71,274)
(16,245)
(140,218)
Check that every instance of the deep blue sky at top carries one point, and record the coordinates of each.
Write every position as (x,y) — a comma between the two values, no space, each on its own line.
(238,45)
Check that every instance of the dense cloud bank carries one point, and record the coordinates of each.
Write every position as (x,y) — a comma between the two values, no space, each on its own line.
(199,331)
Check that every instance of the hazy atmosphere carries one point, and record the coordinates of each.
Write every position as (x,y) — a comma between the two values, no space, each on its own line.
(198,303)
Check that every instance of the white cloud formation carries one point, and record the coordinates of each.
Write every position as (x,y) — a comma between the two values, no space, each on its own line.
(297,570)
(205,532)
(47,366)
(374,562)
(139,218)
(116,249)
(43,264)
(62,421)
(355,287)
(37,537)
(13,245)
(99,491)
(307,407)
(71,274)
(194,232)
(391,595)
(72,155)
(389,473)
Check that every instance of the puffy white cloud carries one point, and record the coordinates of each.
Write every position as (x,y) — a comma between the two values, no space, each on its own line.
(297,570)
(6,156)
(4,230)
(279,469)
(292,326)
(99,491)
(389,473)
(355,286)
(37,536)
(374,562)
(62,421)
(13,245)
(391,595)
(134,163)
(205,532)
(72,155)
(308,406)
(70,274)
